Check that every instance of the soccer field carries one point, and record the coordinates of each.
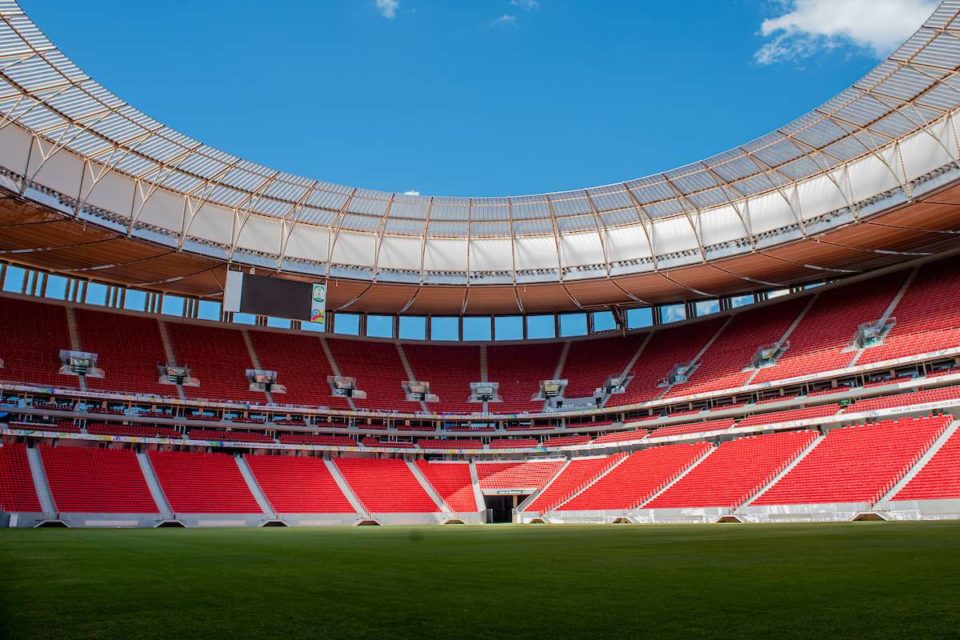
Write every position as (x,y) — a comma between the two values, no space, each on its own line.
(859,580)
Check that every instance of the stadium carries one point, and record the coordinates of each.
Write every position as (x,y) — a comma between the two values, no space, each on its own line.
(230,401)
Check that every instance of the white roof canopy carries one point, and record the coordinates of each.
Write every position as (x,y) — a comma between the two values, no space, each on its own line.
(880,143)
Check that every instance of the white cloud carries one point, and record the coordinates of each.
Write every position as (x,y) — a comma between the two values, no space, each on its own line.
(526,5)
(388,8)
(506,20)
(809,26)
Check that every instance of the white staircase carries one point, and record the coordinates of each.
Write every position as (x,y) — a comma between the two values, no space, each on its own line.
(787,469)
(422,479)
(347,490)
(680,476)
(40,482)
(333,367)
(610,467)
(170,354)
(889,310)
(533,496)
(153,484)
(921,462)
(702,351)
(477,491)
(254,487)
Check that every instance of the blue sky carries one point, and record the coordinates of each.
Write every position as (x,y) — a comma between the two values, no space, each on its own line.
(480,97)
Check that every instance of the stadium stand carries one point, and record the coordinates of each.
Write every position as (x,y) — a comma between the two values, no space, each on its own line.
(637,478)
(577,474)
(789,415)
(89,480)
(229,436)
(31,337)
(449,370)
(386,486)
(735,471)
(666,348)
(515,443)
(590,362)
(905,399)
(856,464)
(515,475)
(696,427)
(298,484)
(939,478)
(727,362)
(17,492)
(302,367)
(820,341)
(621,436)
(519,369)
(308,438)
(926,319)
(453,443)
(128,349)
(196,482)
(217,357)
(452,482)
(133,430)
(378,370)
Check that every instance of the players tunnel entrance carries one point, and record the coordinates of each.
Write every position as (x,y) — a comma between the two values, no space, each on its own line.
(500,508)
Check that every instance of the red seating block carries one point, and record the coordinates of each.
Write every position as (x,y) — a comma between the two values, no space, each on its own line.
(452,482)
(202,482)
(89,480)
(386,486)
(17,492)
(298,484)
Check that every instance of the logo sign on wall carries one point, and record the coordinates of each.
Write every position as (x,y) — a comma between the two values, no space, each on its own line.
(318,303)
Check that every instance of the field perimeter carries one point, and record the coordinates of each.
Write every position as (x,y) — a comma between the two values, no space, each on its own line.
(862,580)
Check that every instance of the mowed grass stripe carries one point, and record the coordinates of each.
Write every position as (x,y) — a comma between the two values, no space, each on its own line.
(862,580)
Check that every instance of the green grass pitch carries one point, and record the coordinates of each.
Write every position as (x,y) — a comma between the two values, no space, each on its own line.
(856,580)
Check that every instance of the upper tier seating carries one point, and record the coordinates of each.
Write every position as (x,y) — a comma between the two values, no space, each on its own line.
(590,362)
(621,436)
(89,480)
(789,415)
(452,482)
(566,441)
(638,478)
(905,399)
(298,484)
(449,370)
(696,427)
(317,439)
(386,486)
(435,443)
(856,464)
(519,369)
(940,476)
(229,436)
(31,337)
(820,341)
(515,475)
(133,430)
(302,367)
(378,370)
(666,348)
(727,363)
(218,358)
(928,318)
(733,473)
(17,492)
(128,349)
(202,482)
(515,443)
(577,474)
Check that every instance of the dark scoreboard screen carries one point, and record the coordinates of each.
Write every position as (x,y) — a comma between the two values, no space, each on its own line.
(276,297)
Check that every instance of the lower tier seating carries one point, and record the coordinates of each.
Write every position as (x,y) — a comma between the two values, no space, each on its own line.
(133,431)
(621,436)
(452,482)
(90,480)
(696,427)
(386,486)
(940,476)
(515,475)
(202,482)
(298,484)
(17,492)
(229,436)
(789,415)
(577,474)
(856,464)
(737,470)
(638,478)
